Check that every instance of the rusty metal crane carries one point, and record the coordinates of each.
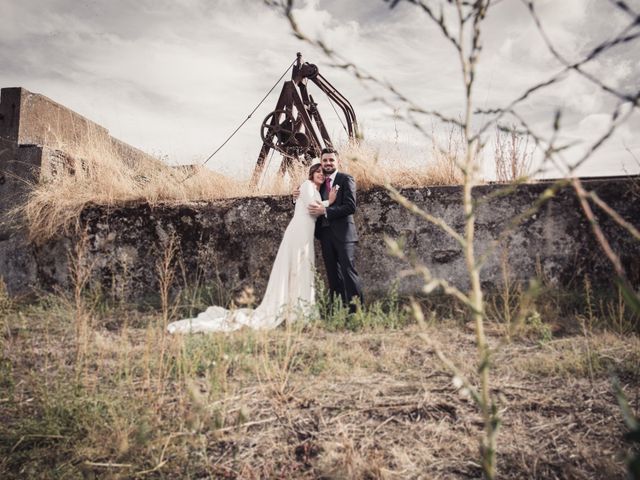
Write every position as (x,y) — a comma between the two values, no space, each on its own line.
(295,128)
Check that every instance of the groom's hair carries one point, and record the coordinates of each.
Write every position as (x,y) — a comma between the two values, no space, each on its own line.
(328,150)
(314,168)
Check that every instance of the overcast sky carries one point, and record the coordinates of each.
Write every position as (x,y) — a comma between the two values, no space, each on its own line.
(175,77)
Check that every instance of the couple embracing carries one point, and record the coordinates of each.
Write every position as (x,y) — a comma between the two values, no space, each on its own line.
(324,208)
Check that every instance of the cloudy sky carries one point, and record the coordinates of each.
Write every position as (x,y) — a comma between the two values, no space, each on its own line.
(175,77)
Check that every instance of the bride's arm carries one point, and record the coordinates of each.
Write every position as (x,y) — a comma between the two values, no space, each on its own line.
(307,193)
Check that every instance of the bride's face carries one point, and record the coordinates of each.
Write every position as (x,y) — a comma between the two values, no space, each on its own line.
(318,177)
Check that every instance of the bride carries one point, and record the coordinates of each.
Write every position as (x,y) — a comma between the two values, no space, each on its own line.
(291,290)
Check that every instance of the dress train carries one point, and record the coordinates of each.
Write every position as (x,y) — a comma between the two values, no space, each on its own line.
(290,291)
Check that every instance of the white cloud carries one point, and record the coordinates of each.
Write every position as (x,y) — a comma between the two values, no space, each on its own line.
(176,78)
(596,123)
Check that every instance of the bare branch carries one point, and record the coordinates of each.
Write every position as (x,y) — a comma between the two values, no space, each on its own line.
(597,231)
(543,198)
(439,20)
(621,5)
(623,37)
(614,215)
(430,282)
(616,120)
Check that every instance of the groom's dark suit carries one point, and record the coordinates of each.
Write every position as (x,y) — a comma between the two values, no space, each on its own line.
(338,237)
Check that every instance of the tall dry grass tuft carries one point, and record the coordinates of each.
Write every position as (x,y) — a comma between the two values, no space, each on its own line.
(364,162)
(6,302)
(302,401)
(97,173)
(54,204)
(80,270)
(277,361)
(448,154)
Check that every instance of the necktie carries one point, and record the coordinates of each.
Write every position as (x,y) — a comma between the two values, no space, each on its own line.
(327,186)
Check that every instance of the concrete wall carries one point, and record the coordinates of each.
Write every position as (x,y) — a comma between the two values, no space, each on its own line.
(28,118)
(38,137)
(235,241)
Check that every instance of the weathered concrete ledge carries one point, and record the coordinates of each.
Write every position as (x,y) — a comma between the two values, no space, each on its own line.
(235,241)
(40,138)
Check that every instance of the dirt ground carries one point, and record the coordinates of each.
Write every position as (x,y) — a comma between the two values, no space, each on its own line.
(304,404)
(395,413)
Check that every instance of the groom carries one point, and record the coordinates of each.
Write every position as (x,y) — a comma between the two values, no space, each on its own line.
(336,230)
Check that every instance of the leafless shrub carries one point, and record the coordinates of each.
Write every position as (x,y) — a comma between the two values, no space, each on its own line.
(513,155)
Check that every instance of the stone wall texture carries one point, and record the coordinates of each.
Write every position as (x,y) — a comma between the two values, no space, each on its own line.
(235,241)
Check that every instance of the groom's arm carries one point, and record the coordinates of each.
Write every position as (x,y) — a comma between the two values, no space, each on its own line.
(348,205)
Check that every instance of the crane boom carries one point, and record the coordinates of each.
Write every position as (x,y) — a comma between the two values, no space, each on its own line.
(295,128)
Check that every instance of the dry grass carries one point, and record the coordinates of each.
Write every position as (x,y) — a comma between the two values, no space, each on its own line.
(296,402)
(55,204)
(369,169)
(97,173)
(513,155)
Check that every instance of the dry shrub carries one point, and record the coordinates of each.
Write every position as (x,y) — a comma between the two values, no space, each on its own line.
(363,161)
(513,155)
(98,172)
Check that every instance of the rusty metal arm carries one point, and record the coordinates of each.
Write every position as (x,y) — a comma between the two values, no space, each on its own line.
(282,129)
(350,115)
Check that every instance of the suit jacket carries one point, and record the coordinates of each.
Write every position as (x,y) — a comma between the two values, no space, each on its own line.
(340,214)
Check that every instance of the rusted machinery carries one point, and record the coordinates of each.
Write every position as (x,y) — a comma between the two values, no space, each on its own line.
(295,128)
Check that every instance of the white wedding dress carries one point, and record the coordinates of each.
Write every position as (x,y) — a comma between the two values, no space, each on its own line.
(290,292)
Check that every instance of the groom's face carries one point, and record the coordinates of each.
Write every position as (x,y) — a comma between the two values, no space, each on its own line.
(329,163)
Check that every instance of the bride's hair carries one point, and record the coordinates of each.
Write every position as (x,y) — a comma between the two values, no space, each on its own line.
(314,168)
